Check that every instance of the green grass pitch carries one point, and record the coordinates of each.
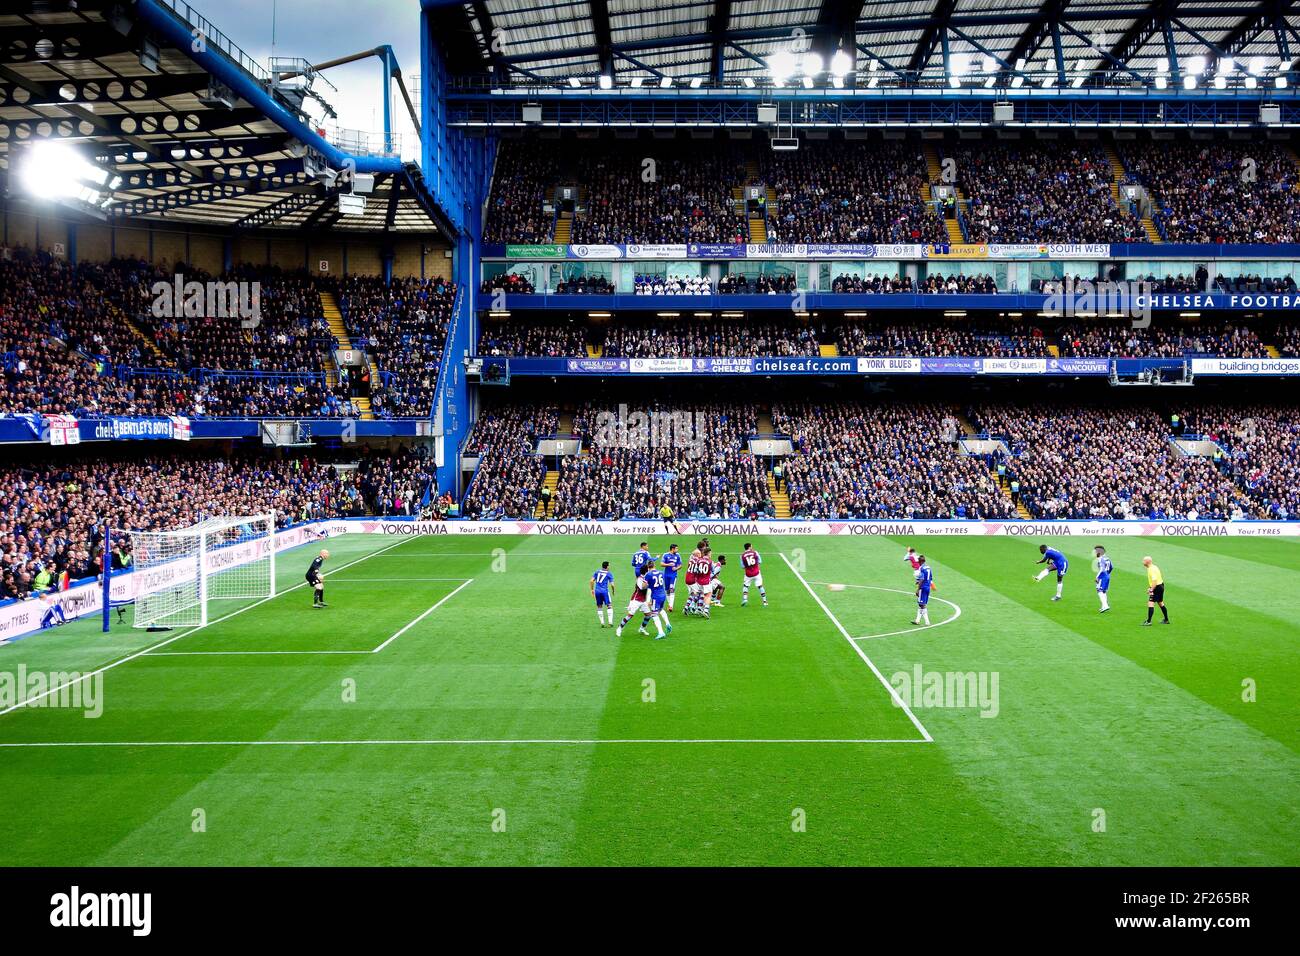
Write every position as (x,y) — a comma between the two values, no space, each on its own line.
(421,719)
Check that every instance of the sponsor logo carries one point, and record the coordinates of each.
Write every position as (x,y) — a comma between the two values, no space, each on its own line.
(1194,530)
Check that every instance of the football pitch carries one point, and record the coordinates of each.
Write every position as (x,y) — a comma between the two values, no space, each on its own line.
(457,703)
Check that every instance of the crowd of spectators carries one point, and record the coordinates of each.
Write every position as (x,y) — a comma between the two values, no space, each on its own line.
(1107,462)
(1260,452)
(508,481)
(934,341)
(658,193)
(52,511)
(850,193)
(511,283)
(898,461)
(1219,191)
(1254,283)
(704,338)
(533,338)
(1122,340)
(871,284)
(585,285)
(759,285)
(520,181)
(1287,340)
(1041,192)
(958,284)
(672,285)
(402,326)
(699,465)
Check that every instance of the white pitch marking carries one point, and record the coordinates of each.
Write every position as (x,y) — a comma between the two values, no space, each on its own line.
(440,603)
(910,630)
(860,652)
(225,617)
(465,742)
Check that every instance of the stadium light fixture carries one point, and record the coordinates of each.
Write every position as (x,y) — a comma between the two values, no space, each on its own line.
(54,170)
(1189,82)
(1161,83)
(841,63)
(812,64)
(749,82)
(575,82)
(782,66)
(1196,65)
(1280,82)
(873,82)
(606,81)
(1227,66)
(666,83)
(1256,66)
(837,82)
(636,82)
(1078,80)
(1251,82)
(807,82)
(696,82)
(1220,82)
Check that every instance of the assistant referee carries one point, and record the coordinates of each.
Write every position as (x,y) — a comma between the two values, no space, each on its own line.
(1155,592)
(317,580)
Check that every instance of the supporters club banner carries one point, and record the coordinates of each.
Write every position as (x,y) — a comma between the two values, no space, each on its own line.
(819,365)
(136,429)
(803,250)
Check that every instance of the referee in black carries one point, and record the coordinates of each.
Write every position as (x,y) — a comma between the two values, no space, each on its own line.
(317,580)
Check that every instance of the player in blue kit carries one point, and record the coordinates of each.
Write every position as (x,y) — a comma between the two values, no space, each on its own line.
(658,594)
(1104,567)
(924,584)
(602,589)
(672,563)
(641,560)
(1055,561)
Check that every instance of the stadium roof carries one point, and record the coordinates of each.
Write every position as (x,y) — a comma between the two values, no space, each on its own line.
(898,42)
(194,131)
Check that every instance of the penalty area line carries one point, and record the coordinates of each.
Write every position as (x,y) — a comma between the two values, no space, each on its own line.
(893,693)
(441,601)
(186,633)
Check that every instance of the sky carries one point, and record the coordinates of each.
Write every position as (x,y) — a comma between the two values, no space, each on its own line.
(318,30)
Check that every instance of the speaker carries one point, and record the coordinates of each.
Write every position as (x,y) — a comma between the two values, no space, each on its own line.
(1003,112)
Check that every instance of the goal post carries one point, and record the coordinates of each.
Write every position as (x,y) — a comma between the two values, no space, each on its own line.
(177,575)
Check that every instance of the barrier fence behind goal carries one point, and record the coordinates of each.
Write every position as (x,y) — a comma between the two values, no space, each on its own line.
(175,575)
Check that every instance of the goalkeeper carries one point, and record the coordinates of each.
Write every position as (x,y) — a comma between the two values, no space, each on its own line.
(317,579)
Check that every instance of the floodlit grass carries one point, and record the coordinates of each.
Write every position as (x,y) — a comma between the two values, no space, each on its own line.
(506,727)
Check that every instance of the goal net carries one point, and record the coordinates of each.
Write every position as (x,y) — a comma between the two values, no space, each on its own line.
(176,574)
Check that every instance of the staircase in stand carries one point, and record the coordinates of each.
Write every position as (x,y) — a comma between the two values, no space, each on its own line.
(758,230)
(565,423)
(150,345)
(1005,485)
(551,481)
(780,499)
(934,176)
(828,350)
(564,228)
(334,318)
(1117,175)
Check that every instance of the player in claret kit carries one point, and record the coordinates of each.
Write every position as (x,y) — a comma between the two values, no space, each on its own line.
(671,561)
(717,587)
(913,559)
(639,604)
(752,564)
(703,581)
(1055,561)
(602,589)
